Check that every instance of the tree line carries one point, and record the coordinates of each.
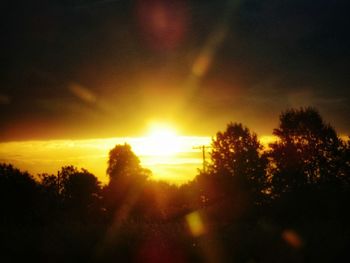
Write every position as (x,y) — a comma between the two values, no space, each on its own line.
(301,178)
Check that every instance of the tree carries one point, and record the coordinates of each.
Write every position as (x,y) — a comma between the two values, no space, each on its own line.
(237,163)
(126,177)
(50,185)
(76,190)
(307,151)
(344,170)
(19,195)
(123,162)
(80,188)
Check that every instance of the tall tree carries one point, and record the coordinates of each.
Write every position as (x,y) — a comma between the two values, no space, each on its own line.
(126,177)
(307,151)
(237,162)
(123,162)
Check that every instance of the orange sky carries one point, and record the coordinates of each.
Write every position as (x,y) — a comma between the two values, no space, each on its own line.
(92,154)
(48,156)
(74,71)
(78,71)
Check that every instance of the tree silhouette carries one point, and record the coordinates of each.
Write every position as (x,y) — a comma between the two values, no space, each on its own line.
(307,151)
(68,216)
(80,189)
(126,176)
(18,194)
(237,165)
(74,190)
(344,164)
(123,162)
(50,185)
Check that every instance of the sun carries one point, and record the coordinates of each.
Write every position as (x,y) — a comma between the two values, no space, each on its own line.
(161,140)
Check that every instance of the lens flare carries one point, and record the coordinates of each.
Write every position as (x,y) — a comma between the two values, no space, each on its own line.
(162,23)
(292,238)
(195,224)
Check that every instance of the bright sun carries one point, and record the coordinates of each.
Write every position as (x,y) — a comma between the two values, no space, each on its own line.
(161,140)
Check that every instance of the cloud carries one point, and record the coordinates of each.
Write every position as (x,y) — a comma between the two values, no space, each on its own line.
(250,61)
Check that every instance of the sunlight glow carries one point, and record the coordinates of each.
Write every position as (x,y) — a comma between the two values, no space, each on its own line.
(161,140)
(168,155)
(50,155)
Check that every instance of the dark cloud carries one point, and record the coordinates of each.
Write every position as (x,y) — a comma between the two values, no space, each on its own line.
(245,61)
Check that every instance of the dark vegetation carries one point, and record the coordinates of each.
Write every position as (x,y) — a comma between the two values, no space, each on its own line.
(285,203)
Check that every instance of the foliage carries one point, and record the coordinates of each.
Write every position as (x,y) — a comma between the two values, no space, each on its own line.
(237,162)
(123,162)
(78,184)
(18,194)
(296,191)
(344,163)
(127,178)
(12,178)
(307,151)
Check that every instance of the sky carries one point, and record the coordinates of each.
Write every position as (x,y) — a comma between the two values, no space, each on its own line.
(176,167)
(84,69)
(176,162)
(104,68)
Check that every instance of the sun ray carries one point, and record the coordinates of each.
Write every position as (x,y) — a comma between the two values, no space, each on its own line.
(162,140)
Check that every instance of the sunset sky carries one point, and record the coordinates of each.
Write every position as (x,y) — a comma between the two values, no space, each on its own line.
(100,69)
(50,155)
